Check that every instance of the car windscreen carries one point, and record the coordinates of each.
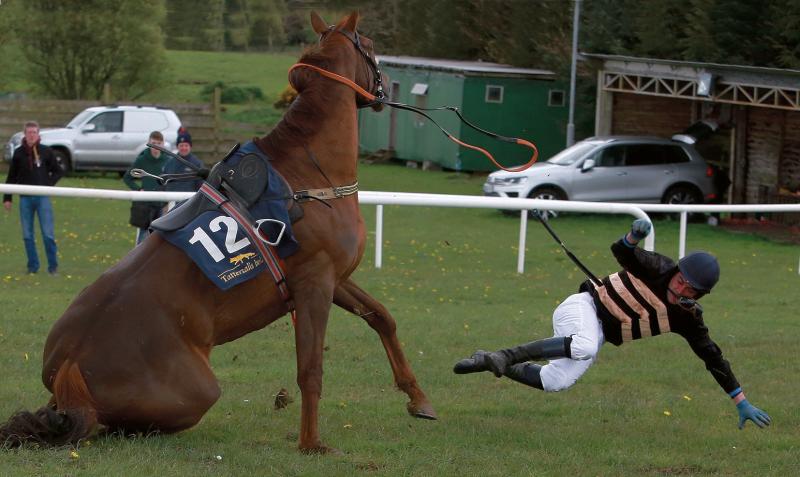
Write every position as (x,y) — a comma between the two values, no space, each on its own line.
(79,119)
(571,154)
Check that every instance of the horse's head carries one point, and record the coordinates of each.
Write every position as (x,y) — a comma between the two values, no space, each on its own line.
(342,50)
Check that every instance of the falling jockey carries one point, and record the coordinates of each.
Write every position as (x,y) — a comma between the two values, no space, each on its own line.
(651,295)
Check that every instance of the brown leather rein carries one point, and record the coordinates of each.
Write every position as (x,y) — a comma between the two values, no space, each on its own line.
(379,97)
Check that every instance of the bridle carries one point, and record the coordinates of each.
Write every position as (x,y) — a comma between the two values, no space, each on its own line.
(378,96)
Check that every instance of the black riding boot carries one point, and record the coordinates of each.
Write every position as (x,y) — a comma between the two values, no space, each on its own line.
(499,361)
(526,373)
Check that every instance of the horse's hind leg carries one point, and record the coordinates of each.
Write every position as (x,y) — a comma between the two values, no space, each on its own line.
(170,397)
(355,300)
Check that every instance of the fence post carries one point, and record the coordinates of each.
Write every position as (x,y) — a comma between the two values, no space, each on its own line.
(106,93)
(216,105)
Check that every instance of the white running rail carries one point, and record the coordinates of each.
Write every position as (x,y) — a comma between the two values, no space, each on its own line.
(441,200)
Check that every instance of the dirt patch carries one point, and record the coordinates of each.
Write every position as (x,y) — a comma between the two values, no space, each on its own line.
(767,229)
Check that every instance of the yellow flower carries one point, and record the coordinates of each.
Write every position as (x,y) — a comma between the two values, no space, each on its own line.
(74,455)
(667,413)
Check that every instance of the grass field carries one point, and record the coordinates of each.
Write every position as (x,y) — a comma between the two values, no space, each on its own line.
(648,408)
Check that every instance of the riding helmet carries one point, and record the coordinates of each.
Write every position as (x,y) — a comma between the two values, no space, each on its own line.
(701,270)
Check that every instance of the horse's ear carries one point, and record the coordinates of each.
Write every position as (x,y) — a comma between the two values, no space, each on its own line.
(318,24)
(351,22)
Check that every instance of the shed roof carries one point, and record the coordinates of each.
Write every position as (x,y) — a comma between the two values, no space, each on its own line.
(754,75)
(470,68)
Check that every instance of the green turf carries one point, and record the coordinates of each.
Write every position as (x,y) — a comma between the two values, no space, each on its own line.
(192,70)
(449,279)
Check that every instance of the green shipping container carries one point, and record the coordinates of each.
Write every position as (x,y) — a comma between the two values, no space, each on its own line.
(515,102)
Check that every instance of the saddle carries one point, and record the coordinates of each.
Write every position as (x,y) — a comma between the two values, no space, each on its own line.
(243,182)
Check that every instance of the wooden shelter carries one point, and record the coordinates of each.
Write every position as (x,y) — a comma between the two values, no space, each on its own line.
(758,110)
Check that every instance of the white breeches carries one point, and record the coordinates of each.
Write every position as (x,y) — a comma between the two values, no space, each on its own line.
(576,317)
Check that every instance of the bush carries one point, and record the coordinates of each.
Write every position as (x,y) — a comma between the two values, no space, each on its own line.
(285,98)
(232,94)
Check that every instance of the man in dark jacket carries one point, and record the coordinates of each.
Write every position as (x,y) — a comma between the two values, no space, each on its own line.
(174,166)
(152,162)
(35,164)
(651,295)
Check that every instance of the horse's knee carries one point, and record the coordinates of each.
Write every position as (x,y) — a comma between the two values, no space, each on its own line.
(310,380)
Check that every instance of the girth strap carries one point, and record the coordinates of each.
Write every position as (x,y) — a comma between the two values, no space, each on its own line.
(274,263)
(326,193)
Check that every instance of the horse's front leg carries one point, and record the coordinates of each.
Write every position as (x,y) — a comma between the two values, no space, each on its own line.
(352,298)
(312,305)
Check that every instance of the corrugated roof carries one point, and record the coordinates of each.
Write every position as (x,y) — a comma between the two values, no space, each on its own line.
(694,64)
(477,68)
(742,74)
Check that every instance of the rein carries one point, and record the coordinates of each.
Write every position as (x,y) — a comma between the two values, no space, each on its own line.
(379,98)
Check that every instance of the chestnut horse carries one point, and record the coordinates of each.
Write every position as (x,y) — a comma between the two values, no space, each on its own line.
(132,351)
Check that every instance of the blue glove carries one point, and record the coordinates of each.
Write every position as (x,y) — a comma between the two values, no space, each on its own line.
(640,228)
(748,411)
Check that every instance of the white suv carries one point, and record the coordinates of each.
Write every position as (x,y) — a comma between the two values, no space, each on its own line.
(105,137)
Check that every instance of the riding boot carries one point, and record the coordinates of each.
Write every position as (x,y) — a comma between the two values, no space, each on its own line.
(499,361)
(526,373)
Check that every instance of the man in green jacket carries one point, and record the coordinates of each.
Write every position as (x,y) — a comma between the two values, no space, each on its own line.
(151,161)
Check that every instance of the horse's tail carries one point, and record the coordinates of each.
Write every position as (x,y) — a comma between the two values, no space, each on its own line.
(70,416)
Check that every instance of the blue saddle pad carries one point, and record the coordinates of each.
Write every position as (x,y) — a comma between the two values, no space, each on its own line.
(216,243)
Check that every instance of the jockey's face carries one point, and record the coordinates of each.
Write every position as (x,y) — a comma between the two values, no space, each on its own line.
(678,287)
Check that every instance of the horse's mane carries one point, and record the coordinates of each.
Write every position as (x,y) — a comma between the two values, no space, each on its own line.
(302,119)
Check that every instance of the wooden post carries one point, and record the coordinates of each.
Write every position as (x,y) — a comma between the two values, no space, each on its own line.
(107,93)
(216,106)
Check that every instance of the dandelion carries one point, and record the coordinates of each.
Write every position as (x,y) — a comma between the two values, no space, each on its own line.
(348,426)
(667,413)
(74,455)
(687,397)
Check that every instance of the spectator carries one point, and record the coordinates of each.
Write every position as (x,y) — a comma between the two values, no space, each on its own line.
(151,161)
(174,166)
(35,164)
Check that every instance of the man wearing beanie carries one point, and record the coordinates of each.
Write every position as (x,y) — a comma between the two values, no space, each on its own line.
(174,166)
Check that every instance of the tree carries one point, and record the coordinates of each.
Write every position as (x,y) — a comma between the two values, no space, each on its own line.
(784,37)
(195,25)
(74,48)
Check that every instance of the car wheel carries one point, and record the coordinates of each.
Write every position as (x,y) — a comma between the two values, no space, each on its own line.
(683,194)
(62,159)
(546,193)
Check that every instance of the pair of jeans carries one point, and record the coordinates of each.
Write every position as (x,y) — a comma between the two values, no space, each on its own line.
(41,206)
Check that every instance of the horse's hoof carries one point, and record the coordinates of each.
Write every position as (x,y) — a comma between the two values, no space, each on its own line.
(424,411)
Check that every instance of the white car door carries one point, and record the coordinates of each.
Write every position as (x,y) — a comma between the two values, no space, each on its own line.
(137,128)
(99,139)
